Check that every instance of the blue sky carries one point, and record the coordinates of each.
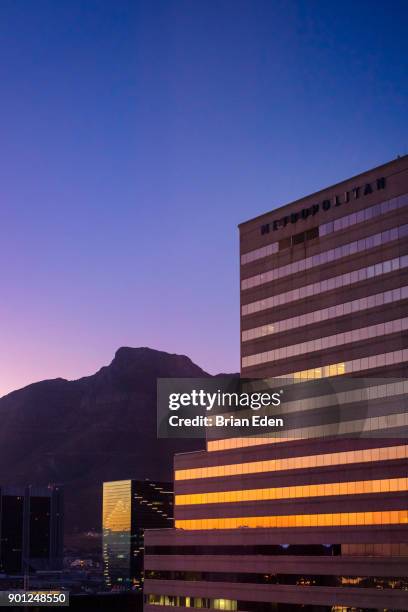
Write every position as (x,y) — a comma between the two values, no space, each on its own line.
(137,135)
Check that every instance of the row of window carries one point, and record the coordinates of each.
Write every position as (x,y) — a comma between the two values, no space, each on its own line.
(192,602)
(323,580)
(382,426)
(335,282)
(348,367)
(261,440)
(327,228)
(345,250)
(389,390)
(228,443)
(234,550)
(332,312)
(307,462)
(394,549)
(387,517)
(363,215)
(327,342)
(387,485)
(385,549)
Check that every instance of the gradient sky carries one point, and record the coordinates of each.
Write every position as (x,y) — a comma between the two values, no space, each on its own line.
(135,136)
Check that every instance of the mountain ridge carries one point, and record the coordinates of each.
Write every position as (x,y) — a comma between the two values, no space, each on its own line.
(118,353)
(81,432)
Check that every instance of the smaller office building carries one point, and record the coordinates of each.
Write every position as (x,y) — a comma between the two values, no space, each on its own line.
(31,529)
(130,507)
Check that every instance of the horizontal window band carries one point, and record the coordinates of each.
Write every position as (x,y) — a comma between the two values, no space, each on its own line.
(394,501)
(340,223)
(374,552)
(369,455)
(326,314)
(327,342)
(190,602)
(326,257)
(389,393)
(334,282)
(387,517)
(360,364)
(276,575)
(261,440)
(393,425)
(293,478)
(387,485)
(248,550)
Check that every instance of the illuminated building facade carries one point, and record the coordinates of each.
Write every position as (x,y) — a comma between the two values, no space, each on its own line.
(130,507)
(305,524)
(31,529)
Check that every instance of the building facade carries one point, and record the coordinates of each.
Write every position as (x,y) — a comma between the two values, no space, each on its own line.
(31,529)
(130,507)
(318,523)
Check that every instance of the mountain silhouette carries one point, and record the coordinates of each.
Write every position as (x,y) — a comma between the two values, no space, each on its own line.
(82,432)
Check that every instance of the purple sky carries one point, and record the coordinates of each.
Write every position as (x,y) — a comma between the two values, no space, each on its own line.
(135,136)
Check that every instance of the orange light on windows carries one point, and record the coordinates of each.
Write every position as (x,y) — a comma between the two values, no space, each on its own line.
(386,517)
(316,490)
(293,463)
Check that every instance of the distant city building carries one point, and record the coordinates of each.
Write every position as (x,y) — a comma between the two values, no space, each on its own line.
(130,507)
(31,529)
(313,522)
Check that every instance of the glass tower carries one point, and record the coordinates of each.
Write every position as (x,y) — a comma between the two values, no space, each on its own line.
(130,507)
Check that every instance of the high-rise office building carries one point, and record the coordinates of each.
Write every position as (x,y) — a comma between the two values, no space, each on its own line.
(31,529)
(311,523)
(130,507)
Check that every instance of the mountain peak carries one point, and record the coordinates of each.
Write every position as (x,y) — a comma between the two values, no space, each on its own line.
(101,427)
(144,355)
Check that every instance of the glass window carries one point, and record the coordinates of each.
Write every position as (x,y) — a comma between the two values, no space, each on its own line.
(333,254)
(326,285)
